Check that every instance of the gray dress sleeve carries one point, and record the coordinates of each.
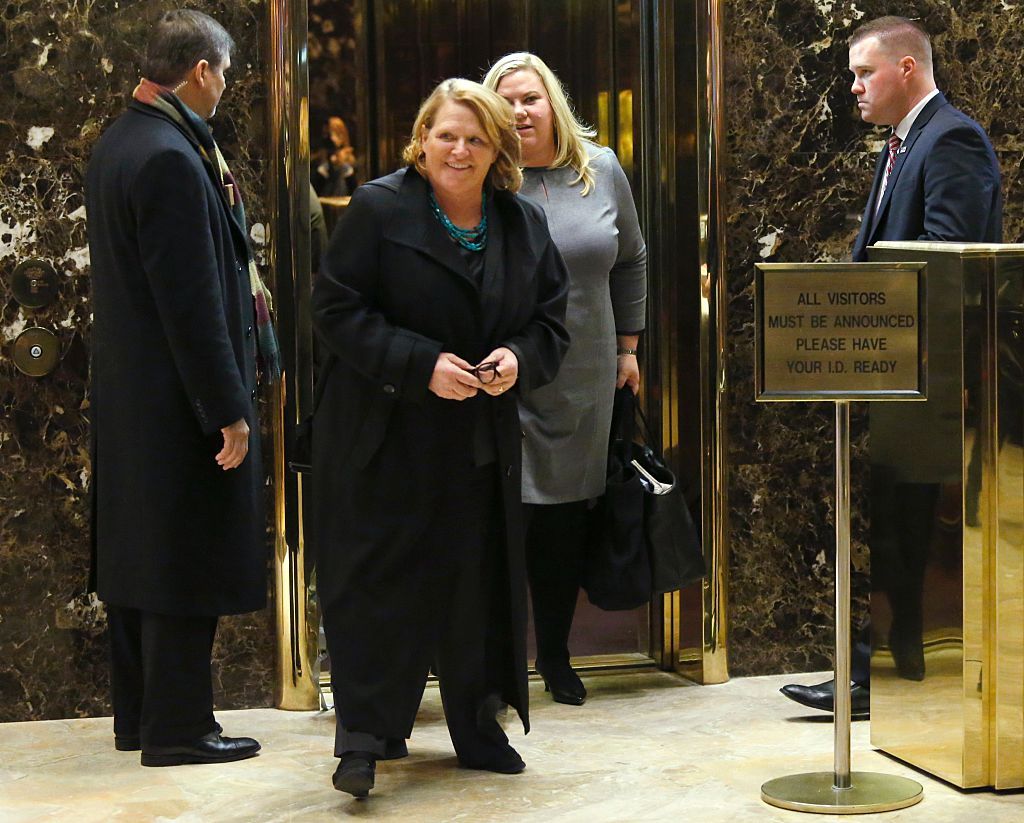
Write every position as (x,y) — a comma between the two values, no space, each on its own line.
(628,277)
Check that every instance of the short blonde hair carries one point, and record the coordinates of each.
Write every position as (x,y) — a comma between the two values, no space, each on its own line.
(571,135)
(496,119)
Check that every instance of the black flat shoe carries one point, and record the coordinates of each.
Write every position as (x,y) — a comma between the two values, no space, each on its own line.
(506,761)
(209,749)
(822,696)
(563,683)
(127,743)
(355,774)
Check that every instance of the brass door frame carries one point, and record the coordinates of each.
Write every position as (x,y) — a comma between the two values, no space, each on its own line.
(685,184)
(682,43)
(287,180)
(714,301)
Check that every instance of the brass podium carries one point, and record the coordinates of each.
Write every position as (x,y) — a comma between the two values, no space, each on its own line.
(947,530)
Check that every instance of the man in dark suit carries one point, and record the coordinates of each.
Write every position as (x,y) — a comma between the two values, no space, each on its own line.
(937,178)
(178,526)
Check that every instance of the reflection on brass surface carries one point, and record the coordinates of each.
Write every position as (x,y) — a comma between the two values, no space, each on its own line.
(34,283)
(604,129)
(947,671)
(335,202)
(625,147)
(831,331)
(870,792)
(714,299)
(1007,494)
(36,352)
(289,251)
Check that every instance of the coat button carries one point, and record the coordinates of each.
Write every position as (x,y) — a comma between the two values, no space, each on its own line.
(248,332)
(389,389)
(252,394)
(508,472)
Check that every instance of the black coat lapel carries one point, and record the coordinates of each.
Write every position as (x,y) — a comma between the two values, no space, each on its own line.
(522,249)
(493,287)
(868,221)
(413,224)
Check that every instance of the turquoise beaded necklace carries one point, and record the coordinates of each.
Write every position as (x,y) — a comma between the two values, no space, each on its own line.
(474,239)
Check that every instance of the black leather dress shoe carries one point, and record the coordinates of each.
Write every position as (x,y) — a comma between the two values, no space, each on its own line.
(209,749)
(822,696)
(505,761)
(355,773)
(563,683)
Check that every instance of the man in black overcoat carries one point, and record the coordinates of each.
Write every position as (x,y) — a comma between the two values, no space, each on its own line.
(178,525)
(936,179)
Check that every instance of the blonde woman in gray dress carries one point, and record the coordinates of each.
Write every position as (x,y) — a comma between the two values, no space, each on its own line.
(593,221)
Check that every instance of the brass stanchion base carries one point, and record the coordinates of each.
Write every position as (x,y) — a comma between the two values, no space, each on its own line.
(868,792)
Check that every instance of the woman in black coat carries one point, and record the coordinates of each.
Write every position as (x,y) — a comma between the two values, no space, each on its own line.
(440,294)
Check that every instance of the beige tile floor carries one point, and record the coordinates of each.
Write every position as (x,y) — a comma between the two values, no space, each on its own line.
(645,747)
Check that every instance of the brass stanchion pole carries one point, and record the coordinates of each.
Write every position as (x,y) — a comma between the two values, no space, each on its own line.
(841,683)
(842,791)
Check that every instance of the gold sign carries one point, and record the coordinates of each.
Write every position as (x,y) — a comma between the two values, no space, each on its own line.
(840,331)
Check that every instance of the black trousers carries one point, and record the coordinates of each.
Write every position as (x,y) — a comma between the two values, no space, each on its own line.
(471,631)
(556,539)
(160,679)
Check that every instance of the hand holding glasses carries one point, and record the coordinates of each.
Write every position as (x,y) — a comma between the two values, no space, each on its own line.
(455,379)
(498,372)
(486,372)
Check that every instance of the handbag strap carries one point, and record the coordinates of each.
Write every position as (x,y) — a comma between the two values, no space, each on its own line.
(625,412)
(645,429)
(623,416)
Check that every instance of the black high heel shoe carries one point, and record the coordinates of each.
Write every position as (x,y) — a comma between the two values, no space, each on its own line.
(563,683)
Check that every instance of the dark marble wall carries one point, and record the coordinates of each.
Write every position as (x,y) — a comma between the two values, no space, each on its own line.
(66,69)
(800,165)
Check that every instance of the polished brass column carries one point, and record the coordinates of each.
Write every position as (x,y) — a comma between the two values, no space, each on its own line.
(288,221)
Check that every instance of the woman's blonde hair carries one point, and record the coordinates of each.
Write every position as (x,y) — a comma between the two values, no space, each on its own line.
(496,119)
(571,135)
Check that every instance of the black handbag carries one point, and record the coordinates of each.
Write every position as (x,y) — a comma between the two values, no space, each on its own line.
(643,541)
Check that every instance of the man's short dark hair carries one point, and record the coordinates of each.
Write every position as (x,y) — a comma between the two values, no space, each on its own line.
(181,39)
(898,36)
